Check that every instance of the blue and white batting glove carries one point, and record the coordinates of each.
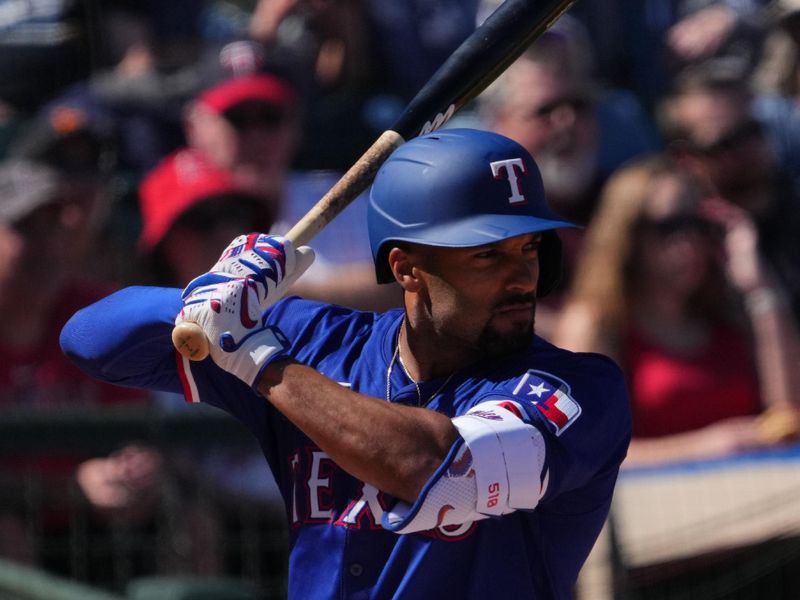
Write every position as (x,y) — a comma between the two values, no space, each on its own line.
(229,314)
(252,274)
(271,261)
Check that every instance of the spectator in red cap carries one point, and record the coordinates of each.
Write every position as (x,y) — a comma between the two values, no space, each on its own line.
(187,206)
(250,125)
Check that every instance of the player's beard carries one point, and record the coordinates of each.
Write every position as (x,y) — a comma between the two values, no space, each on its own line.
(492,342)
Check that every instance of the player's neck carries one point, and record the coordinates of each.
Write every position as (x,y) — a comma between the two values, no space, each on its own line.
(426,356)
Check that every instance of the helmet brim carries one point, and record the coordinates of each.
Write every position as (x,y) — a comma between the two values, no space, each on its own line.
(468,232)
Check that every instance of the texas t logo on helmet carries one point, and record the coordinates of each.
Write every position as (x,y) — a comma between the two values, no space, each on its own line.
(511,169)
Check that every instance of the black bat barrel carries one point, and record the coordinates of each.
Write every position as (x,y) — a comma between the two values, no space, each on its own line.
(487,52)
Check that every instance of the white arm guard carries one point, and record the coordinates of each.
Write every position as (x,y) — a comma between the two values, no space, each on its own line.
(495,469)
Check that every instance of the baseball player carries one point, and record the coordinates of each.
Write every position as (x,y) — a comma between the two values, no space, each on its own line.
(437,451)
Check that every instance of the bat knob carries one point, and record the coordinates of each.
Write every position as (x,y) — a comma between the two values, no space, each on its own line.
(190,340)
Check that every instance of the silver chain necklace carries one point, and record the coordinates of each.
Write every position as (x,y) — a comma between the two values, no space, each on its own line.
(397,358)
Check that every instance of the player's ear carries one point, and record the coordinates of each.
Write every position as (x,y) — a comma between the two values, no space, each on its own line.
(403,266)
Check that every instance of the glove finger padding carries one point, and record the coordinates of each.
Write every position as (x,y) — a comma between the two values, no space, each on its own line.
(204,284)
(271,261)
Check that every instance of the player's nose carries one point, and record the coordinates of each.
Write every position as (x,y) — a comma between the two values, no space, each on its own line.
(522,275)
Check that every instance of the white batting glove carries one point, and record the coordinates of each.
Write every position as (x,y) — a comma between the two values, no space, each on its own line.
(230,316)
(271,261)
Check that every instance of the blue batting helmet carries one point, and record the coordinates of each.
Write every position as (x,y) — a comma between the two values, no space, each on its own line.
(461,188)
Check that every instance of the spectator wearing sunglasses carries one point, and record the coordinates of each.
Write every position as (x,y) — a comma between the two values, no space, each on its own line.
(249,126)
(716,132)
(187,205)
(549,102)
(672,286)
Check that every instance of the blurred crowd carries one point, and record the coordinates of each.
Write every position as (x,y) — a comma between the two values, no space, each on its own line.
(138,137)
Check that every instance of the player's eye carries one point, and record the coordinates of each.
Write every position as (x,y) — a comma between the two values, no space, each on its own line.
(489,253)
(532,246)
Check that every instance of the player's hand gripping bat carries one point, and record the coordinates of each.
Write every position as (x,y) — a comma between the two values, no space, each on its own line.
(486,53)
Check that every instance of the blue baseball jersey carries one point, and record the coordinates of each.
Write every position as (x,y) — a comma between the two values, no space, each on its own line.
(338,547)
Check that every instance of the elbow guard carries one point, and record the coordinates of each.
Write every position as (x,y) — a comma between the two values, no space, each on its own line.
(495,468)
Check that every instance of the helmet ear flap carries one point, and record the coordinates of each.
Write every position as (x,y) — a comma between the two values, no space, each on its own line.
(549,263)
(382,271)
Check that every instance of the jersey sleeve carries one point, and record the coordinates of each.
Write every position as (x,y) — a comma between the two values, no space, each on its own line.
(583,411)
(581,406)
(125,338)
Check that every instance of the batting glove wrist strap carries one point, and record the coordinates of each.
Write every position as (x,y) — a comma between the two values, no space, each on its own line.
(256,353)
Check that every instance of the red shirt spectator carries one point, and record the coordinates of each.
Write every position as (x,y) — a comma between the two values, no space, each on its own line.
(673,393)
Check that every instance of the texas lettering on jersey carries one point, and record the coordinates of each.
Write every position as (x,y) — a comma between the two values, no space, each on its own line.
(319,486)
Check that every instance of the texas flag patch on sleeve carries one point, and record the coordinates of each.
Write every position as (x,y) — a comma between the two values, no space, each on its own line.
(551,397)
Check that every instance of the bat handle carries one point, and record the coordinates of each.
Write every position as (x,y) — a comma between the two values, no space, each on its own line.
(189,338)
(352,183)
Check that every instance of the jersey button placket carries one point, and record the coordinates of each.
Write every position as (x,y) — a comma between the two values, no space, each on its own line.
(356,569)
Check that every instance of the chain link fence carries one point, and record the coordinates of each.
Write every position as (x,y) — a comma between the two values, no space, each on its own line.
(193,536)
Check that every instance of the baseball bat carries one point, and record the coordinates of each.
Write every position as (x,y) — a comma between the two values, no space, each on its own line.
(486,53)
